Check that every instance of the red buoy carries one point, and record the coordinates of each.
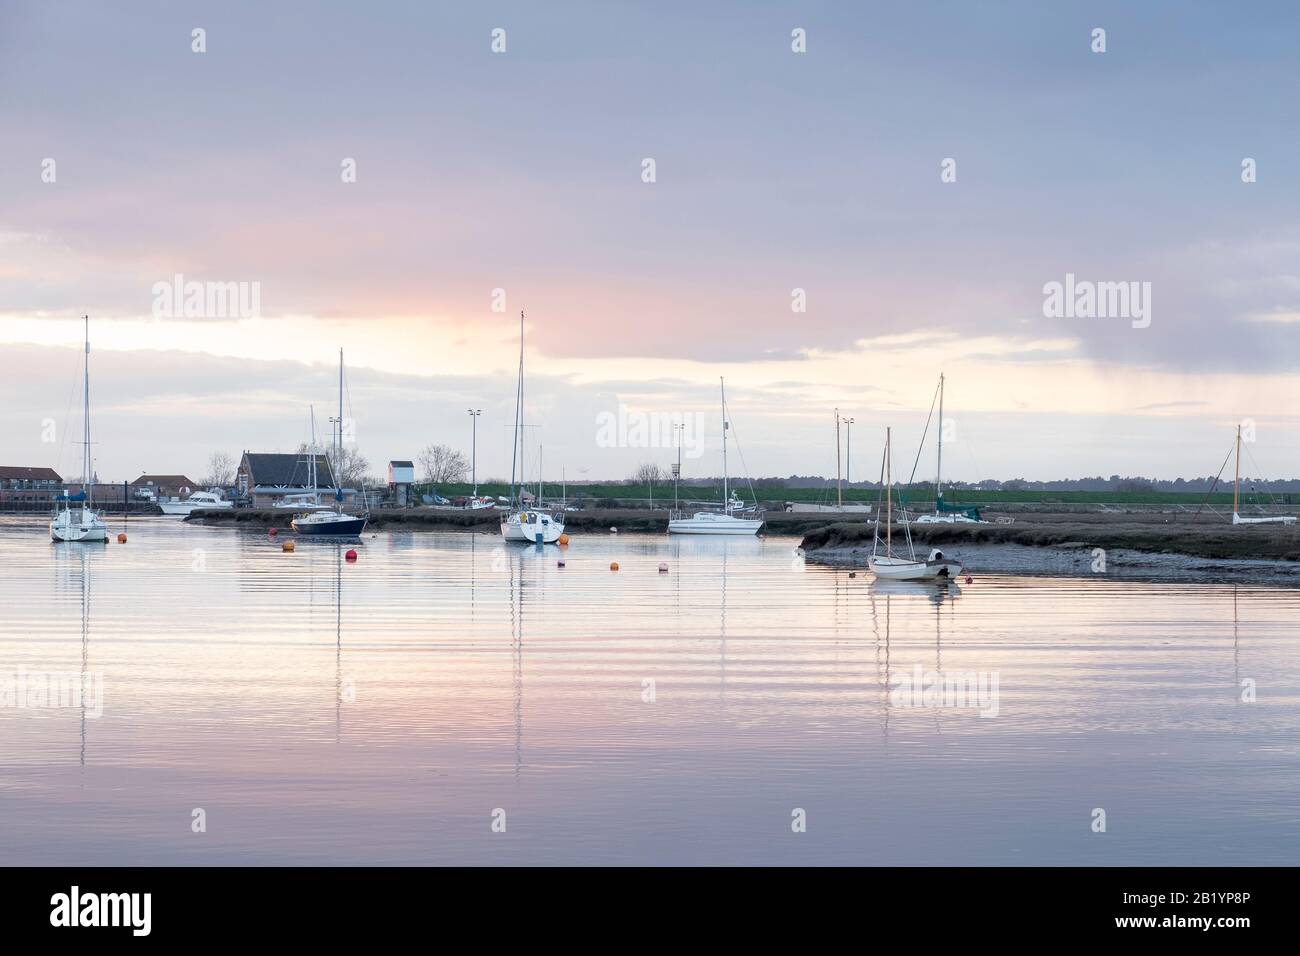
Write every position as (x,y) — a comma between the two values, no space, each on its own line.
(351,555)
(969,579)
(271,533)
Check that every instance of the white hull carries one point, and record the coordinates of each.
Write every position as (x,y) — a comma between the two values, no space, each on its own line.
(1272,519)
(532,527)
(904,569)
(711,522)
(192,504)
(79,525)
(946,519)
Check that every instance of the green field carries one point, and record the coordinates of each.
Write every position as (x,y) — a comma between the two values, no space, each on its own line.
(606,495)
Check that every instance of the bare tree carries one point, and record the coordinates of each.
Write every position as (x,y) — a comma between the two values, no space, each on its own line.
(646,474)
(221,471)
(348,465)
(442,463)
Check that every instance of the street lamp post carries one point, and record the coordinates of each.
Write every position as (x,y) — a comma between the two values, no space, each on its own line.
(839,487)
(848,452)
(474,413)
(677,471)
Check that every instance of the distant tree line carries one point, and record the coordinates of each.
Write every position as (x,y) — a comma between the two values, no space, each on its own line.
(1130,483)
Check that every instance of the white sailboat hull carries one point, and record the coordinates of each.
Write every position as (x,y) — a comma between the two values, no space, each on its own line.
(79,525)
(712,522)
(1270,519)
(532,527)
(905,569)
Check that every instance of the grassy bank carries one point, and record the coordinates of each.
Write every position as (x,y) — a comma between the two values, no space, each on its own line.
(1203,538)
(919,496)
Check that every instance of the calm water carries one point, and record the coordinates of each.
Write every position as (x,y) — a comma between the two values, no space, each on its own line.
(380,712)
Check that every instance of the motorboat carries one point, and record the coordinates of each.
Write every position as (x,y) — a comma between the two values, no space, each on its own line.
(198,501)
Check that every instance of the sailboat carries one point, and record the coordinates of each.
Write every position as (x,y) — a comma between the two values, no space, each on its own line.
(330,521)
(937,567)
(945,513)
(735,517)
(529,525)
(76,519)
(1236,496)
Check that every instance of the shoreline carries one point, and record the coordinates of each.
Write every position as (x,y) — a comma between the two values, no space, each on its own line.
(488,520)
(1106,545)
(1077,562)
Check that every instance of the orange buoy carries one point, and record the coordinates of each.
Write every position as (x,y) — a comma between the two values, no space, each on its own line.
(564,541)
(351,555)
(613,565)
(121,538)
(663,567)
(287,546)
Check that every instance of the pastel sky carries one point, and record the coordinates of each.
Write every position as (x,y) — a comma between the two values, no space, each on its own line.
(775,171)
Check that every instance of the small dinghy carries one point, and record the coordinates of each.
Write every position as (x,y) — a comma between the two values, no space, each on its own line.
(938,566)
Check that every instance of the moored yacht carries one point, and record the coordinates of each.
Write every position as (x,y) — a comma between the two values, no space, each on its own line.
(937,566)
(334,522)
(529,525)
(76,518)
(1237,517)
(735,517)
(945,513)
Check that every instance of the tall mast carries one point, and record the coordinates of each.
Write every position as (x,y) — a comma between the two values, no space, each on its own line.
(839,488)
(516,446)
(1236,479)
(726,495)
(338,439)
(938,474)
(311,451)
(87,480)
(522,484)
(889,500)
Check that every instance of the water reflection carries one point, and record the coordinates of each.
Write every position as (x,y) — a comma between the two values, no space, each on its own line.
(471,676)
